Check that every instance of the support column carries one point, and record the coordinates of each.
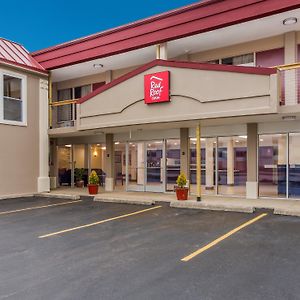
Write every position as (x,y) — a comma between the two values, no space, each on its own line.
(252,143)
(108,76)
(184,151)
(230,162)
(198,161)
(162,51)
(109,163)
(209,164)
(43,181)
(141,164)
(290,76)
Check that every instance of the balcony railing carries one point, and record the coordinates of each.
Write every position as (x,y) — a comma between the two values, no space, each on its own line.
(62,113)
(289,84)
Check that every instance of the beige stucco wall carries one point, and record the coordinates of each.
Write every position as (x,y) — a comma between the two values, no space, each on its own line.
(195,94)
(19,148)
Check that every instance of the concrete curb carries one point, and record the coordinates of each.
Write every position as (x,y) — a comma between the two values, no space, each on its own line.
(284,212)
(59,196)
(216,207)
(8,197)
(124,201)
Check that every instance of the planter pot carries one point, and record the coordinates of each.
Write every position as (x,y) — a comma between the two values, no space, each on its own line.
(182,193)
(93,189)
(80,184)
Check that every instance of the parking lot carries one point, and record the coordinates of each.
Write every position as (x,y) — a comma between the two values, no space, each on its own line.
(64,249)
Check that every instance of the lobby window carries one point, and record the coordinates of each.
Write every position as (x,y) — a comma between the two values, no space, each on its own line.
(13,99)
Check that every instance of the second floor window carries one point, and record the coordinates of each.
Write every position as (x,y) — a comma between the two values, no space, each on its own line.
(13,99)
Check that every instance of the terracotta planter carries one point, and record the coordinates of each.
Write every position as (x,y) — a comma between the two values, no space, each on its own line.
(80,184)
(182,193)
(93,189)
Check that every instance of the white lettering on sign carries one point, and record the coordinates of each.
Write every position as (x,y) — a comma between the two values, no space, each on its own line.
(156,87)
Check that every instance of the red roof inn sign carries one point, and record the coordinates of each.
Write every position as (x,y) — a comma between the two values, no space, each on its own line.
(157,87)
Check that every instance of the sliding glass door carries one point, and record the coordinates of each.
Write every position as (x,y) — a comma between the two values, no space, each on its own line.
(145,166)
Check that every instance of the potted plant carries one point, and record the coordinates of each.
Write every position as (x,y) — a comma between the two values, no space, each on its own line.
(79,177)
(181,188)
(93,183)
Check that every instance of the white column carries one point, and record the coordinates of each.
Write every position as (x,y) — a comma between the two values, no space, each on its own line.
(209,164)
(141,163)
(162,51)
(290,76)
(230,162)
(133,164)
(43,182)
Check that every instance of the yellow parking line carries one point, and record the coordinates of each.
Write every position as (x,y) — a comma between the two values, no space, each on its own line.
(37,207)
(220,239)
(99,222)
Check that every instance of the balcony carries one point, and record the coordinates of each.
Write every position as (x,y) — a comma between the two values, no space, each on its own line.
(62,114)
(289,84)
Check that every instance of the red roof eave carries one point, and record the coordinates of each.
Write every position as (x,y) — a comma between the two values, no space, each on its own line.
(187,21)
(179,64)
(26,67)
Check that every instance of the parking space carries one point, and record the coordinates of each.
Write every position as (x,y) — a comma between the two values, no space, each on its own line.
(119,251)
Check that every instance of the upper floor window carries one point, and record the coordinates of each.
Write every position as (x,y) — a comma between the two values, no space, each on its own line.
(12,99)
(241,60)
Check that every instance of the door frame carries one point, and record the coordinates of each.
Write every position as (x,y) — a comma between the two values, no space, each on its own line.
(146,187)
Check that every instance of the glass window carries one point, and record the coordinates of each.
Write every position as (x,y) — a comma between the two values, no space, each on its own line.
(294,165)
(82,91)
(272,159)
(247,59)
(12,99)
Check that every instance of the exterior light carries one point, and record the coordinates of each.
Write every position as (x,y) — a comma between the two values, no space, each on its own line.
(289,118)
(98,66)
(103,148)
(117,143)
(95,153)
(68,146)
(242,136)
(290,21)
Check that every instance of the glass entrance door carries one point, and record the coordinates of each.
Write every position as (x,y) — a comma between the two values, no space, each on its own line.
(145,170)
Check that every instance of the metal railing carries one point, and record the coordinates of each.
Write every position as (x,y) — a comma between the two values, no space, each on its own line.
(289,84)
(62,113)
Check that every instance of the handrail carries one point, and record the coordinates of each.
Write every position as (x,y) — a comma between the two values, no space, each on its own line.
(288,67)
(63,102)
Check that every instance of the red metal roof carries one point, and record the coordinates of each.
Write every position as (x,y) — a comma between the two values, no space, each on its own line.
(16,54)
(179,64)
(190,20)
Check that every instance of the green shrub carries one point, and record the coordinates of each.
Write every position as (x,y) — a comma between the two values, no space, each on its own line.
(79,174)
(93,178)
(181,180)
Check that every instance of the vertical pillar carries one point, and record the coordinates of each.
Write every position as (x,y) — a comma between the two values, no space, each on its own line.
(184,151)
(252,143)
(108,76)
(209,164)
(230,162)
(109,163)
(43,181)
(162,51)
(198,161)
(141,163)
(53,168)
(290,76)
(133,169)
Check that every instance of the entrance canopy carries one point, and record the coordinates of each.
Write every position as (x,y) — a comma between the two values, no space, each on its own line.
(167,91)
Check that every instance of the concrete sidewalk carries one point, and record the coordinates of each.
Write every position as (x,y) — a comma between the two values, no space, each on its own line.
(217,203)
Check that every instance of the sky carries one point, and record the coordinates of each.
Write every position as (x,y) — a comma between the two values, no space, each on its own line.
(39,24)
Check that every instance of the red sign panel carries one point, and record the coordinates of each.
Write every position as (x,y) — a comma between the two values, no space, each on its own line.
(157,87)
